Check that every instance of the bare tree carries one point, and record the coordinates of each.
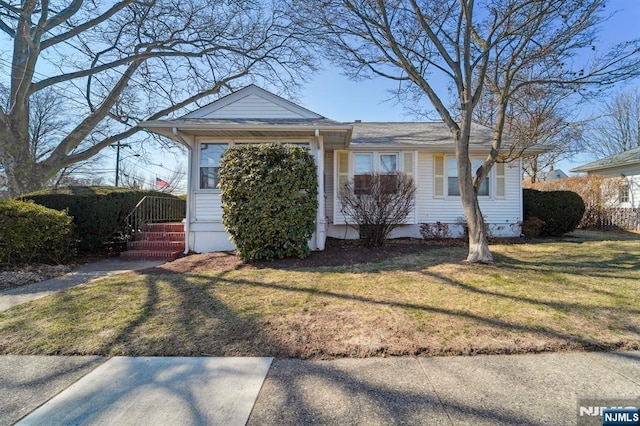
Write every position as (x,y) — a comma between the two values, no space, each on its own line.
(125,61)
(538,117)
(376,204)
(618,128)
(513,43)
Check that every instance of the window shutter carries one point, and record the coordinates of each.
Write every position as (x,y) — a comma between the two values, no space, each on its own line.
(438,176)
(343,170)
(407,163)
(501,188)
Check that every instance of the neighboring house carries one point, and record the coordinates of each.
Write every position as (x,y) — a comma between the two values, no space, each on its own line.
(624,166)
(341,151)
(551,175)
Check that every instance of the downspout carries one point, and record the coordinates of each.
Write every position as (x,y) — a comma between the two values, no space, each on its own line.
(187,221)
(321,230)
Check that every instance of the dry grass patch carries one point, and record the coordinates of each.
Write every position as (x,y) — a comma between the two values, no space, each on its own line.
(577,294)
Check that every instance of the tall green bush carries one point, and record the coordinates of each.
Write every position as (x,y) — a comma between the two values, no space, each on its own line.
(269,199)
(561,211)
(98,212)
(33,233)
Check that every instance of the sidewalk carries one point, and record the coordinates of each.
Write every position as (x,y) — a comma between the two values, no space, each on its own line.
(510,389)
(80,275)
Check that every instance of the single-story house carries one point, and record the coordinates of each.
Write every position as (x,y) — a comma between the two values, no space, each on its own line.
(626,166)
(423,150)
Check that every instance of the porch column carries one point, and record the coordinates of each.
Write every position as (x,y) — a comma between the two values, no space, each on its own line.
(321,223)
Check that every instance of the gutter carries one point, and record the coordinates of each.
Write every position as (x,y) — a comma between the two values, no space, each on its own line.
(187,221)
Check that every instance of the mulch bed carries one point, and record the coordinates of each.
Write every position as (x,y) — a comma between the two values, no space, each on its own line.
(336,253)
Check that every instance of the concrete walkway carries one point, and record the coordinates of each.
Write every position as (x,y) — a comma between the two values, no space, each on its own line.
(513,389)
(80,275)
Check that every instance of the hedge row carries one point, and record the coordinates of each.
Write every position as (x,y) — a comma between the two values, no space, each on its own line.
(98,212)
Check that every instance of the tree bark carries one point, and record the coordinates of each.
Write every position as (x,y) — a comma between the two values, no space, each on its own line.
(476,227)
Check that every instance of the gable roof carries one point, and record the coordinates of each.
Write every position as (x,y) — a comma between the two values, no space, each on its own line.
(252,102)
(626,158)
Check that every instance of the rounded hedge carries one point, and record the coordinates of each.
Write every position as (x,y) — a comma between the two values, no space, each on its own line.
(561,211)
(269,199)
(33,233)
(98,212)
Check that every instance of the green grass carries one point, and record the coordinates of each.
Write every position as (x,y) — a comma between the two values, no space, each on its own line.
(577,294)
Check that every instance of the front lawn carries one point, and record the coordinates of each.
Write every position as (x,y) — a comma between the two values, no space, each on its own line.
(575,294)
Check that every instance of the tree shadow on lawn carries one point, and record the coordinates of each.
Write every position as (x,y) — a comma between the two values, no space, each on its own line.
(206,326)
(198,325)
(578,264)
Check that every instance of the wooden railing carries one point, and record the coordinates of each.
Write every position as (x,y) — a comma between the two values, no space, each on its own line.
(155,210)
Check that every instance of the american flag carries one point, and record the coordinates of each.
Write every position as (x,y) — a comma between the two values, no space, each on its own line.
(162,184)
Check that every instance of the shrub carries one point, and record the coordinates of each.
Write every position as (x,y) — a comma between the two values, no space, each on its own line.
(98,212)
(435,231)
(269,199)
(33,233)
(532,227)
(561,211)
(376,204)
(599,193)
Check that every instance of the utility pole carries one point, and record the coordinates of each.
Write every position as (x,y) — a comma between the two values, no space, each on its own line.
(117,146)
(117,163)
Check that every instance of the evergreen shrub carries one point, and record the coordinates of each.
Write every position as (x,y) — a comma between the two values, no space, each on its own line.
(561,211)
(33,233)
(269,199)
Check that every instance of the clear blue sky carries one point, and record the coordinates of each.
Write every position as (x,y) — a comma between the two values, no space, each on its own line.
(335,96)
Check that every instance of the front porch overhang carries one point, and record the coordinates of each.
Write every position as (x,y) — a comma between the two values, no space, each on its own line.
(334,136)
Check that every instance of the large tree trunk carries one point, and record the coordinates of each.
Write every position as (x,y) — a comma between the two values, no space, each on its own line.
(478,244)
(23,173)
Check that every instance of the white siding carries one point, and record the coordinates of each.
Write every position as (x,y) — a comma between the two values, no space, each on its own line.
(634,191)
(501,212)
(253,106)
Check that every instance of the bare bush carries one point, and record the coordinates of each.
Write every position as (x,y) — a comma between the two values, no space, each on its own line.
(376,204)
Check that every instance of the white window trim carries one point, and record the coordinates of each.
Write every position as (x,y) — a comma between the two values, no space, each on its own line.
(491,178)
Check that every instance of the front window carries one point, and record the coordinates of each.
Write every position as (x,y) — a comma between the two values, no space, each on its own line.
(623,193)
(452,177)
(388,163)
(210,156)
(362,169)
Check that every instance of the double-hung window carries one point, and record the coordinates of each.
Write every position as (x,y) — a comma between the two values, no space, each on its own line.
(210,156)
(623,193)
(362,169)
(446,169)
(388,173)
